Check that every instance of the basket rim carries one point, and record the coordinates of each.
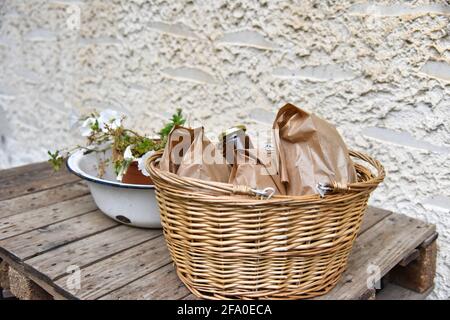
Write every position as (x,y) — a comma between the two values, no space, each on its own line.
(223,191)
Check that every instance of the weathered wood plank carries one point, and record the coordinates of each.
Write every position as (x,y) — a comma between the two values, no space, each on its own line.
(382,247)
(42,199)
(112,273)
(27,245)
(410,258)
(33,173)
(34,219)
(394,292)
(32,182)
(25,170)
(372,217)
(17,265)
(25,289)
(419,274)
(4,277)
(90,250)
(161,284)
(369,294)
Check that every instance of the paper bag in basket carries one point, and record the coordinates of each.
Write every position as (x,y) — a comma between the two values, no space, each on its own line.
(310,151)
(189,153)
(250,170)
(178,142)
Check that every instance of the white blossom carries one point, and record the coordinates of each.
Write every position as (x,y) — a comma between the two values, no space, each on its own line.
(128,155)
(109,117)
(86,126)
(141,162)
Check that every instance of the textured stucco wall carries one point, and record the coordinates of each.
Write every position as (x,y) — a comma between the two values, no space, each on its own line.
(380,72)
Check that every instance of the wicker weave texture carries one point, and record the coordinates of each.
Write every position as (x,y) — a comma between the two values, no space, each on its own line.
(227,243)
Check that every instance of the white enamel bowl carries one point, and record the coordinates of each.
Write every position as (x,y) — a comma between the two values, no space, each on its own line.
(131,204)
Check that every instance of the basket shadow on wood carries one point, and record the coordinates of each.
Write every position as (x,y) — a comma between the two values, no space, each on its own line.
(228,243)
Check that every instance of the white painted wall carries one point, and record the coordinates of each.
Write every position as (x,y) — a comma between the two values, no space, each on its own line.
(380,72)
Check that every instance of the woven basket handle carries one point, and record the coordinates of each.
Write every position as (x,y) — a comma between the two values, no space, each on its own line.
(335,187)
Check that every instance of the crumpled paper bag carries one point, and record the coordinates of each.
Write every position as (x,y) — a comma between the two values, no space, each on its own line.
(237,141)
(178,142)
(189,153)
(310,151)
(250,170)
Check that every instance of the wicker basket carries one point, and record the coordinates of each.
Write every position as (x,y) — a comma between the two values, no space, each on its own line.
(228,243)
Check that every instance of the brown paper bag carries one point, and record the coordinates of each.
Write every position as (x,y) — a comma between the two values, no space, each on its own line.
(310,151)
(178,142)
(232,140)
(250,170)
(189,153)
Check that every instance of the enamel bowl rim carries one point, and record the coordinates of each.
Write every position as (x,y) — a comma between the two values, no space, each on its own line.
(72,164)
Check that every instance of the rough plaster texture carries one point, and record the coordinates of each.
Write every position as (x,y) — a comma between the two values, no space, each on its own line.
(380,72)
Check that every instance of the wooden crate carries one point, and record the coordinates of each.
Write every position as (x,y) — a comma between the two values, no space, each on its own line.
(51,232)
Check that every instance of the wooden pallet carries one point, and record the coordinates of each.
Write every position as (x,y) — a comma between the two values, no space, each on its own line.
(51,231)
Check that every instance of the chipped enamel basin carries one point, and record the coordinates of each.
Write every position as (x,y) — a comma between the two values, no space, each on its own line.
(130,204)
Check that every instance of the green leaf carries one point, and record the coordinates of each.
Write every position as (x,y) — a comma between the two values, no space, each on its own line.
(56,160)
(176,120)
(143,146)
(95,126)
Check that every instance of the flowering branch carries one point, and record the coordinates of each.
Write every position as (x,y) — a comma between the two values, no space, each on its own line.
(106,128)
